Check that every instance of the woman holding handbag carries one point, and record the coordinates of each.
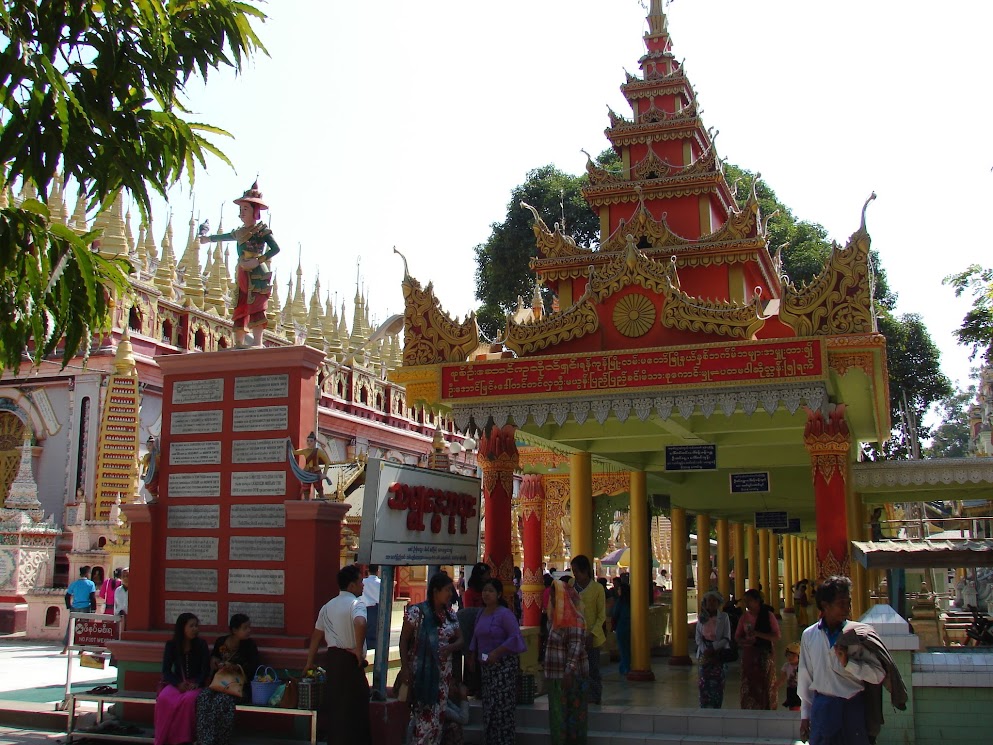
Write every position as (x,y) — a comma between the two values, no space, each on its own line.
(185,667)
(495,647)
(429,636)
(233,657)
(713,643)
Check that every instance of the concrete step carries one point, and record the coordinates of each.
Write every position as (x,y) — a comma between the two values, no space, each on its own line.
(625,725)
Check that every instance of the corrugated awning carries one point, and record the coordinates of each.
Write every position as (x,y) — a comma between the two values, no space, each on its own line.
(925,554)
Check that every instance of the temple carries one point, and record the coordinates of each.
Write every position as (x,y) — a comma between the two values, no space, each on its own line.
(680,368)
(74,441)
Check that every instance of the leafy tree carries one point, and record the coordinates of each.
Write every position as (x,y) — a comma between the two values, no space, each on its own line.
(805,245)
(502,271)
(915,373)
(950,439)
(96,89)
(976,330)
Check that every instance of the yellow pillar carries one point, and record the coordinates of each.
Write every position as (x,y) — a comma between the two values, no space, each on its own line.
(815,571)
(680,646)
(764,562)
(774,593)
(752,546)
(702,555)
(581,504)
(723,557)
(739,559)
(789,576)
(641,576)
(795,564)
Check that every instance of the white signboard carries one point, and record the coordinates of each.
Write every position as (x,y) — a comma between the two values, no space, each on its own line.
(263,615)
(259,451)
(419,516)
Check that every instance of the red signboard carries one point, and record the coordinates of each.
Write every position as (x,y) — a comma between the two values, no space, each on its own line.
(94,633)
(780,361)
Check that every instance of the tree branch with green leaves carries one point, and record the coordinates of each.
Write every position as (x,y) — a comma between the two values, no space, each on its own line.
(95,90)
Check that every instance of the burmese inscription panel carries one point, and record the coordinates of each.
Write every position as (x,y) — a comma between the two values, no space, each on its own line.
(261,386)
(195,422)
(258,516)
(260,418)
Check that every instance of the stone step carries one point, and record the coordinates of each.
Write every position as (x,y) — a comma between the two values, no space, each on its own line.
(626,725)
(536,736)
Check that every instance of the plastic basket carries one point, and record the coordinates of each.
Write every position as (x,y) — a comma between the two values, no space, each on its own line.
(311,694)
(262,691)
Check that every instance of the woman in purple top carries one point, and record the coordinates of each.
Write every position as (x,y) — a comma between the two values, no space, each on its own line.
(497,642)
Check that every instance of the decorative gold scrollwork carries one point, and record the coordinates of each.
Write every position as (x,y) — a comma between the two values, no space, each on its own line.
(573,323)
(430,335)
(838,300)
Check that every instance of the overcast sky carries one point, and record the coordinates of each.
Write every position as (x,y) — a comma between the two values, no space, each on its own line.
(399,123)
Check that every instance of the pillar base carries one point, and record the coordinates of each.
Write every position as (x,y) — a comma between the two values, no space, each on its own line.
(641,676)
(681,661)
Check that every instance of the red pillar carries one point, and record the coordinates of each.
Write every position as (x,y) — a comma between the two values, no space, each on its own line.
(828,441)
(497,458)
(531,503)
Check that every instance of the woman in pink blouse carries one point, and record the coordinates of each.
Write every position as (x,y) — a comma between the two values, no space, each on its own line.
(497,642)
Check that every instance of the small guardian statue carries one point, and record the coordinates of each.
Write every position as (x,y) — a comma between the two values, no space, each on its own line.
(256,247)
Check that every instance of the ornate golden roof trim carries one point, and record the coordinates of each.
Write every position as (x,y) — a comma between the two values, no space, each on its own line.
(711,317)
(838,300)
(632,267)
(430,335)
(557,244)
(659,135)
(602,195)
(573,323)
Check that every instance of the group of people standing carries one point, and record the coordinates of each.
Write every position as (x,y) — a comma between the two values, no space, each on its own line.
(832,676)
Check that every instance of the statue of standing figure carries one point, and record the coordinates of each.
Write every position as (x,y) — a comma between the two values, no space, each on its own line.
(256,247)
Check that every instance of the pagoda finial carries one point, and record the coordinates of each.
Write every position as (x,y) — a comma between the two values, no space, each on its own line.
(656,19)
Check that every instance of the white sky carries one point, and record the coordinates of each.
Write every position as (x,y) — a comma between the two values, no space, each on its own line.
(376,124)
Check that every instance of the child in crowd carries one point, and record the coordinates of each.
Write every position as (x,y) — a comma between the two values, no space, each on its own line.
(788,677)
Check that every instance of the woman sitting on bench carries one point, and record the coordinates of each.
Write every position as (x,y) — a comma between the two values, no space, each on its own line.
(215,710)
(185,667)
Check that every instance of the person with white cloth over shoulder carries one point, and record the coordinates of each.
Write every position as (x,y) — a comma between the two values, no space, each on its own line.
(342,624)
(830,680)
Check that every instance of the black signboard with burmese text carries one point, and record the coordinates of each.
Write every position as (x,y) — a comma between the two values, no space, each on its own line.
(690,457)
(745,483)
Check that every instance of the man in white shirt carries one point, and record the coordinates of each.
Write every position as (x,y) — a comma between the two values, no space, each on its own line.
(121,596)
(342,624)
(370,598)
(831,679)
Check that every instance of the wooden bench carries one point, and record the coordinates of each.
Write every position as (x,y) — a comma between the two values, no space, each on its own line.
(135,697)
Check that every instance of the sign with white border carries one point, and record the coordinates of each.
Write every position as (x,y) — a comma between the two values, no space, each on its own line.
(416,516)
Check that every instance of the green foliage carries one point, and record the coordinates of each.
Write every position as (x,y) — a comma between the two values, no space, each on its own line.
(805,245)
(950,439)
(976,330)
(914,370)
(95,89)
(502,271)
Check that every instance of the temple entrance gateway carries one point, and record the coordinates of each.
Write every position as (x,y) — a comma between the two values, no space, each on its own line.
(680,361)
